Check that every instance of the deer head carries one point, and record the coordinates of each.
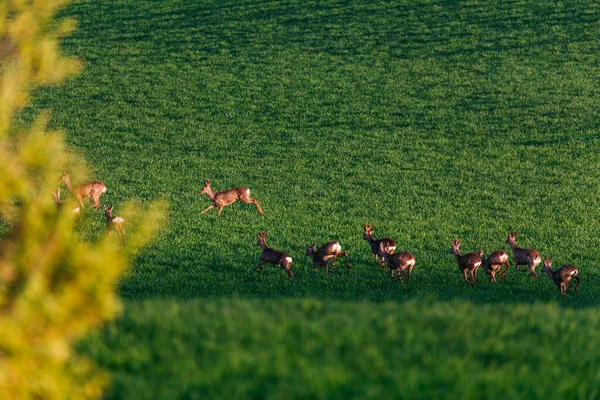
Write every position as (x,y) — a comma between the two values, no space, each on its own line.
(206,187)
(368,230)
(547,263)
(108,211)
(511,239)
(455,247)
(310,248)
(261,238)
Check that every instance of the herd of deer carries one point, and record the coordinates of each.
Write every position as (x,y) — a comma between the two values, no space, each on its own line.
(400,264)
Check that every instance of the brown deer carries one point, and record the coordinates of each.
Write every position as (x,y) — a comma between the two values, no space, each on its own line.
(270,256)
(326,254)
(562,276)
(379,246)
(494,264)
(228,197)
(80,192)
(399,263)
(114,224)
(467,263)
(76,210)
(522,256)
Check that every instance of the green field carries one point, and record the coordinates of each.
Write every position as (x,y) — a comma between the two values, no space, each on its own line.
(432,120)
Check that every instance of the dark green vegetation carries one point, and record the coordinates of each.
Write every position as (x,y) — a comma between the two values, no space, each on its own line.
(430,120)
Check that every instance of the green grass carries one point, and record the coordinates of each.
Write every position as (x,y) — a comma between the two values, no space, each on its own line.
(430,120)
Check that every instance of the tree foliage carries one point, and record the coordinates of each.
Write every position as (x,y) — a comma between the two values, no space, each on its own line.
(54,287)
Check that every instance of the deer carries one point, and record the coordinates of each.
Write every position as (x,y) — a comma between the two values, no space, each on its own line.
(81,192)
(379,246)
(522,256)
(271,256)
(114,224)
(562,276)
(494,264)
(327,253)
(76,212)
(399,263)
(467,263)
(228,197)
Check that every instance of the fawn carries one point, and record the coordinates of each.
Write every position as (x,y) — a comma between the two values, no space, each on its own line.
(114,224)
(228,197)
(380,246)
(469,262)
(270,256)
(325,254)
(562,276)
(91,189)
(522,256)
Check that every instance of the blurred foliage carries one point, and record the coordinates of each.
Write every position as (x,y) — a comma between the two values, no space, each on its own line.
(54,287)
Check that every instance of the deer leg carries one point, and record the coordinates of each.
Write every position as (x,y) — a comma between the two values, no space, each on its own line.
(401,274)
(464,271)
(507,265)
(532,271)
(408,274)
(207,208)
(261,212)
(220,210)
(577,285)
(260,266)
(563,289)
(334,259)
(345,254)
(96,199)
(249,200)
(122,236)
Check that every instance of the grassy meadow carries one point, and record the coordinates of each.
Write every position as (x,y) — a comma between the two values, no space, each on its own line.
(431,120)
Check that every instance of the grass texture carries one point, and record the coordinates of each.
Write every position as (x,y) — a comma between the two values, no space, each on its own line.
(431,120)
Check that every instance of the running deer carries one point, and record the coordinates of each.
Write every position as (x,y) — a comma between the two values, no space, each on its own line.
(81,192)
(494,264)
(270,256)
(380,246)
(228,197)
(399,263)
(467,263)
(114,224)
(562,276)
(326,254)
(76,210)
(522,256)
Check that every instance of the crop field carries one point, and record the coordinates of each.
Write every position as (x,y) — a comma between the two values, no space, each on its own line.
(431,120)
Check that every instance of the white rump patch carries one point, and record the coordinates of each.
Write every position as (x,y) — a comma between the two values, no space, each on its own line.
(337,248)
(410,262)
(104,189)
(537,260)
(477,264)
(118,220)
(288,259)
(248,192)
